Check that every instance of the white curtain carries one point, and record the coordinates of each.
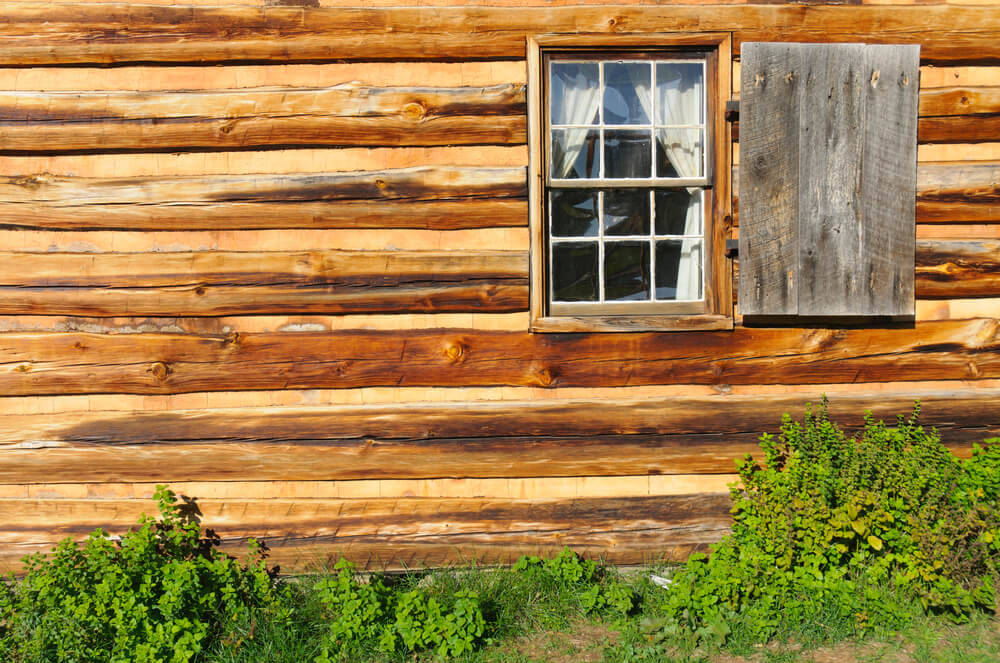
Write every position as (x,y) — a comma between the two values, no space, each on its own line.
(580,103)
(682,105)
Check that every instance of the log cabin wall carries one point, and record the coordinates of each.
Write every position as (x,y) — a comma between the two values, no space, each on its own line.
(277,257)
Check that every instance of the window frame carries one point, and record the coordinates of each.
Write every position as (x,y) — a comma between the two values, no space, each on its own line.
(716,310)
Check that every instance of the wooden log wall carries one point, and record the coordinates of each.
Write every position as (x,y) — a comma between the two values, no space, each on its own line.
(277,257)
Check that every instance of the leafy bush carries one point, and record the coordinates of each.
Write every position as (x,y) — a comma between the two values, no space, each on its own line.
(161,593)
(838,528)
(361,614)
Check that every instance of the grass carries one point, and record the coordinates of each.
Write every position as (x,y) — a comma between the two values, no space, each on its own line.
(544,623)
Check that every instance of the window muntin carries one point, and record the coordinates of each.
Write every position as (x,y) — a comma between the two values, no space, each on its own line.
(627,183)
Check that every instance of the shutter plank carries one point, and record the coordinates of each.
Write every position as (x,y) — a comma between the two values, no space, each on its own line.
(769,180)
(889,182)
(831,140)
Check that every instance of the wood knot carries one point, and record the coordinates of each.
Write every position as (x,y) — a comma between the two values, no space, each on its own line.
(160,370)
(79,346)
(758,79)
(414,111)
(380,183)
(874,81)
(455,352)
(789,77)
(232,338)
(972,369)
(200,290)
(228,127)
(544,377)
(22,368)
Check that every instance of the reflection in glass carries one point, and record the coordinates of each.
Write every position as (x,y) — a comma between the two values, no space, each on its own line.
(626,271)
(678,269)
(574,271)
(678,212)
(574,153)
(574,212)
(679,153)
(628,97)
(680,92)
(627,153)
(575,93)
(626,212)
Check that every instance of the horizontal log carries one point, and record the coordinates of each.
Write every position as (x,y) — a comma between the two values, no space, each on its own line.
(212,283)
(612,437)
(439,198)
(342,115)
(388,533)
(958,269)
(936,102)
(226,283)
(78,363)
(34,34)
(961,192)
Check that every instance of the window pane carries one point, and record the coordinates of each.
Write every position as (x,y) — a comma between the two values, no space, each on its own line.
(574,271)
(678,212)
(626,212)
(574,153)
(678,269)
(679,153)
(627,153)
(574,213)
(575,93)
(680,89)
(628,97)
(626,271)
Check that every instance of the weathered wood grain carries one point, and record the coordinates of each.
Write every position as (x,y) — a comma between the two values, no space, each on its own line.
(34,34)
(959,129)
(959,192)
(769,182)
(403,533)
(227,283)
(885,233)
(612,437)
(845,218)
(958,269)
(439,198)
(342,115)
(57,363)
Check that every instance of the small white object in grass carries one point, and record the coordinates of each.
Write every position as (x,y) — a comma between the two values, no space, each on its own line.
(660,580)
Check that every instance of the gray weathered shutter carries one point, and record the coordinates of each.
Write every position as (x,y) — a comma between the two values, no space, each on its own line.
(827,188)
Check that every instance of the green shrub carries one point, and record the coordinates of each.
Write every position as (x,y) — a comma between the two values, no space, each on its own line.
(363,615)
(584,578)
(161,593)
(838,529)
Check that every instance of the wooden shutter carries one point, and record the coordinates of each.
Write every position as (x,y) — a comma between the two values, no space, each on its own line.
(828,156)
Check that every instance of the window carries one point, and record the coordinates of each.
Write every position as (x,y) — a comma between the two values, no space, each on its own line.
(628,215)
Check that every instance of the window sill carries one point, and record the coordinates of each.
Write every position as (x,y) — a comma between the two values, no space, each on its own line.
(631,323)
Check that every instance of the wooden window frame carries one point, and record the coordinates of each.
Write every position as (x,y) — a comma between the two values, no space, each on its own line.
(717,311)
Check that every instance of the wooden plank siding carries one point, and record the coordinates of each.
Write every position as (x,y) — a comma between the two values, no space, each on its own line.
(277,257)
(566,437)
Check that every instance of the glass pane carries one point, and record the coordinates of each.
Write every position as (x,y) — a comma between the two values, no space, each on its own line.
(680,90)
(626,271)
(574,153)
(628,95)
(575,93)
(574,213)
(626,212)
(678,269)
(678,212)
(574,271)
(627,153)
(679,153)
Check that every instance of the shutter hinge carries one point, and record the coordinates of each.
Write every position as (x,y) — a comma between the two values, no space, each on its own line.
(733,110)
(732,248)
